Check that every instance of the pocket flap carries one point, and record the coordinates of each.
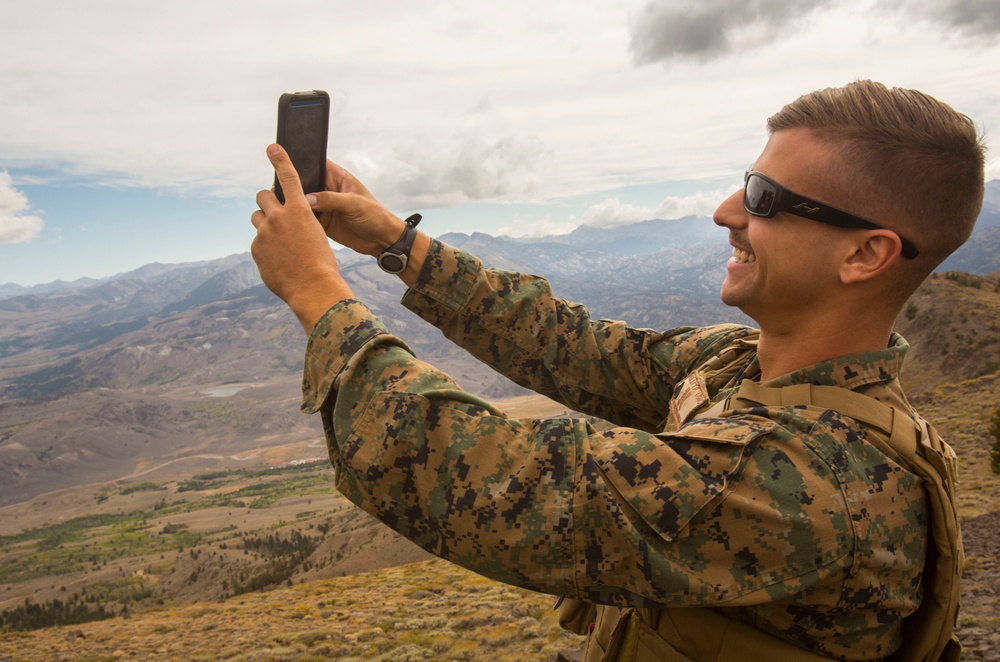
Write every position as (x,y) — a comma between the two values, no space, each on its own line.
(669,477)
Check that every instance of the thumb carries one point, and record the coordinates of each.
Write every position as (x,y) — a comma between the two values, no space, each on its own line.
(348,206)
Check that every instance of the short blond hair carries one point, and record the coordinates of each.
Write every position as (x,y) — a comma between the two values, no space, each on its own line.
(907,161)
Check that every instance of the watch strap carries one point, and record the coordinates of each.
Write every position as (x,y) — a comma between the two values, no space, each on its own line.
(394,259)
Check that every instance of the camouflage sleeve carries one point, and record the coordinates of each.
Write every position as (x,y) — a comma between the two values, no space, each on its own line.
(513,323)
(729,511)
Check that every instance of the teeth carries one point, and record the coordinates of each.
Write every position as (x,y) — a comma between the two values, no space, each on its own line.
(743,257)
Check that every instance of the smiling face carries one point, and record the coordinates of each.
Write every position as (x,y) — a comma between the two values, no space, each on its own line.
(786,267)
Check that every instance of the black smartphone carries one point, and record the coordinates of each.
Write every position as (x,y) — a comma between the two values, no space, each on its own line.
(303,126)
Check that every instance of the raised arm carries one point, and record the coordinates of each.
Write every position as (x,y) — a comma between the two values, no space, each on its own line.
(513,322)
(292,253)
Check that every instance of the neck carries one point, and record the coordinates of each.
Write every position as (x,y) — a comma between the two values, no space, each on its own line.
(783,350)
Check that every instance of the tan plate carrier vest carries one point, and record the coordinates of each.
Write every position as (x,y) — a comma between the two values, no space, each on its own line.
(703,634)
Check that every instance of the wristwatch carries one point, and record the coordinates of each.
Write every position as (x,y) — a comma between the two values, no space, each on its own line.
(393,259)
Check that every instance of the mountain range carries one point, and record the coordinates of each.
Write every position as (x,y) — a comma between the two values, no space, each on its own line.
(639,239)
(200,364)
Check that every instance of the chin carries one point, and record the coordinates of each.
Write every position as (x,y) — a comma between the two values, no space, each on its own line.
(730,298)
(734,300)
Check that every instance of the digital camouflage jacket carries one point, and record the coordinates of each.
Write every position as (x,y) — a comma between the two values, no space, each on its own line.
(782,518)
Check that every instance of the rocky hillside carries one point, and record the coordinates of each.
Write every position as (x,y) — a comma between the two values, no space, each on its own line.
(201,362)
(953,326)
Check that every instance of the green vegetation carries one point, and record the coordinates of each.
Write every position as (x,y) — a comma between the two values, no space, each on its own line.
(285,555)
(162,375)
(8,431)
(215,479)
(31,616)
(142,487)
(260,495)
(98,540)
(92,541)
(70,529)
(216,411)
(964,279)
(281,365)
(98,602)
(989,368)
(116,553)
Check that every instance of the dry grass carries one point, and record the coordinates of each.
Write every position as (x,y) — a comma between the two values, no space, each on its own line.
(421,611)
(425,610)
(961,413)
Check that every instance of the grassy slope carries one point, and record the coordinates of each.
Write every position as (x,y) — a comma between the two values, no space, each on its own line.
(425,610)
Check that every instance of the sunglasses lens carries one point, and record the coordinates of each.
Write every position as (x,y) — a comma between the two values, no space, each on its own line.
(758,196)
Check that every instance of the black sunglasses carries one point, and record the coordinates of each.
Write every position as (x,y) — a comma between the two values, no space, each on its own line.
(762,196)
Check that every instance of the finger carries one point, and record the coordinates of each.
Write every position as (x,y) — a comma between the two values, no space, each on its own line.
(267,201)
(337,171)
(257,218)
(332,201)
(285,171)
(339,179)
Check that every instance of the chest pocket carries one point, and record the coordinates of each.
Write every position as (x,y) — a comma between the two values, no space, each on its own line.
(668,478)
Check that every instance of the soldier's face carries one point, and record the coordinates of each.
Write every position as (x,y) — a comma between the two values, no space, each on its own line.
(783,268)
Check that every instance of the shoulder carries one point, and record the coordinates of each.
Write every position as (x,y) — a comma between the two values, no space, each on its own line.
(692,347)
(827,478)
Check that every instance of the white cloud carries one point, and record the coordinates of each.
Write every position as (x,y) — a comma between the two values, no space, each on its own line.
(613,212)
(134,109)
(699,204)
(16,226)
(539,227)
(458,102)
(465,168)
(992,169)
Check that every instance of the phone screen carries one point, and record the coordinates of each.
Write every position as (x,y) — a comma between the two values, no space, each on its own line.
(303,119)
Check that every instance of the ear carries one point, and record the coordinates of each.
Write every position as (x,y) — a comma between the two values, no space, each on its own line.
(870,254)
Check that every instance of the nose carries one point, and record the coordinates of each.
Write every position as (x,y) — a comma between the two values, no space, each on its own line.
(731,214)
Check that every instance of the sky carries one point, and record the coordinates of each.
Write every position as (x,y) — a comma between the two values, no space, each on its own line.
(134,131)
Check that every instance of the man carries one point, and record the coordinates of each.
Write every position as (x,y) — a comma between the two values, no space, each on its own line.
(781,531)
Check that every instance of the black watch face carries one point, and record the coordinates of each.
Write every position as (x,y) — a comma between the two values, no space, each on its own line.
(391,262)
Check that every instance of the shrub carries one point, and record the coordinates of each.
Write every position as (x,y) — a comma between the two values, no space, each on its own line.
(33,616)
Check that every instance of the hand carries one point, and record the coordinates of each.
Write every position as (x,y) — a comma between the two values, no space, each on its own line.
(351,216)
(291,250)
